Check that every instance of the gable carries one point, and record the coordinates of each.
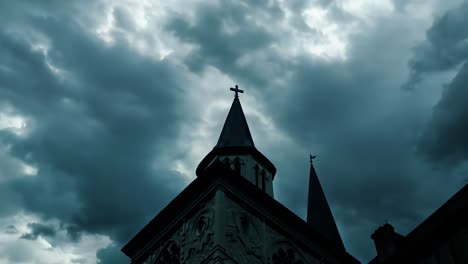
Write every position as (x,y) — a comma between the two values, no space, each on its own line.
(231,206)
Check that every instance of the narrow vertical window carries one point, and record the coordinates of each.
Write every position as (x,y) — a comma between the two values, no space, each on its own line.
(263,179)
(237,166)
(227,162)
(256,174)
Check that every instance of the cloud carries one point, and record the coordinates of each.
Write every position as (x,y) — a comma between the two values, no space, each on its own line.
(119,102)
(38,229)
(99,120)
(444,140)
(351,112)
(112,254)
(11,229)
(445,49)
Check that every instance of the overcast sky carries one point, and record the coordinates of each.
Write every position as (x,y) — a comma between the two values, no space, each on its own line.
(106,108)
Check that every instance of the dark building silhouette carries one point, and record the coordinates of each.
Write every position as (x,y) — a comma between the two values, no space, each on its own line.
(440,239)
(228,214)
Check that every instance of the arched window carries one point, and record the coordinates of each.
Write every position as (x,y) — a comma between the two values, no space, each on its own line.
(257,172)
(237,166)
(227,162)
(263,179)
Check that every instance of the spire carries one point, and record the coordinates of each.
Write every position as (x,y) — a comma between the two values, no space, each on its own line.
(319,215)
(235,140)
(235,131)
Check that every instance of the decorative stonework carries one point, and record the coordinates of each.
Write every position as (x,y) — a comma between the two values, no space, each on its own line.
(286,256)
(250,240)
(170,254)
(242,237)
(191,243)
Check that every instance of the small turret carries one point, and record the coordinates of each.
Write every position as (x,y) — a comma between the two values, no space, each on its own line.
(386,241)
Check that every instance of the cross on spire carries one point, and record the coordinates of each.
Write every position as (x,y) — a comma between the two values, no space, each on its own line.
(237,91)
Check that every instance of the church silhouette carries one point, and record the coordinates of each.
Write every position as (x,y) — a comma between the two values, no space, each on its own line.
(228,214)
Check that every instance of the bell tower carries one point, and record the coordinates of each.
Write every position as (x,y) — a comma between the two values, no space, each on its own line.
(236,149)
(227,214)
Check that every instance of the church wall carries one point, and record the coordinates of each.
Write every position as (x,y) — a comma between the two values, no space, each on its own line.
(248,238)
(192,240)
(222,231)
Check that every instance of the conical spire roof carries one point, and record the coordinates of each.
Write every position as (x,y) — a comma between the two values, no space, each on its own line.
(235,139)
(319,215)
(235,131)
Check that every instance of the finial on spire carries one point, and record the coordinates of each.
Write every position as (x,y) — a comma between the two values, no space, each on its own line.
(312,157)
(236,91)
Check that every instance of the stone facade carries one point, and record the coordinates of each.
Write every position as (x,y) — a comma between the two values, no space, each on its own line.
(222,231)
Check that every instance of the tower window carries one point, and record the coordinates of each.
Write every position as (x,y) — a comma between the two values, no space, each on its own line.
(237,166)
(256,174)
(227,162)
(263,179)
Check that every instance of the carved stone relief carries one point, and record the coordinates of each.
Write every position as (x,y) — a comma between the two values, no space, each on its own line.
(285,252)
(286,256)
(250,240)
(243,237)
(246,238)
(191,243)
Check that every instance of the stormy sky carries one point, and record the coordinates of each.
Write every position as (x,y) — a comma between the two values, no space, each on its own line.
(106,108)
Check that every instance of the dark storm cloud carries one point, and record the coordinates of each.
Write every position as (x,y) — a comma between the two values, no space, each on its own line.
(38,229)
(216,45)
(446,48)
(112,255)
(352,113)
(99,124)
(445,139)
(365,148)
(96,127)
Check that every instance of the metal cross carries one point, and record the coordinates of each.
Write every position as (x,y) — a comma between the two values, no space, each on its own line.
(237,90)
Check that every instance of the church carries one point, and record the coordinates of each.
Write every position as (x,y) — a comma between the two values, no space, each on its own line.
(228,214)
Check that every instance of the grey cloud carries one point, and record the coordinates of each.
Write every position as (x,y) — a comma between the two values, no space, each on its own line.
(353,114)
(96,132)
(214,46)
(80,260)
(112,254)
(38,229)
(365,130)
(445,139)
(446,46)
(11,229)
(123,19)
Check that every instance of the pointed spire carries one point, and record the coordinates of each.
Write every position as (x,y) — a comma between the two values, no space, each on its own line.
(235,139)
(319,215)
(235,131)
